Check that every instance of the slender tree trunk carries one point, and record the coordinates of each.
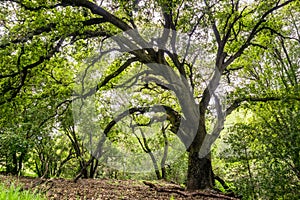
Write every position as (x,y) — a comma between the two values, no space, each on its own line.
(15,164)
(93,168)
(156,168)
(165,155)
(250,174)
(84,170)
(38,170)
(147,149)
(20,164)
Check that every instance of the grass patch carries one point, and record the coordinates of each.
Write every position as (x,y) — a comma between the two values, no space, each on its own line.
(13,192)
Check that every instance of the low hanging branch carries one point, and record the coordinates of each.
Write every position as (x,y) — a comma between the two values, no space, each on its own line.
(108,78)
(173,116)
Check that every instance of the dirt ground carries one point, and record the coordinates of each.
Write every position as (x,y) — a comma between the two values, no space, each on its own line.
(92,189)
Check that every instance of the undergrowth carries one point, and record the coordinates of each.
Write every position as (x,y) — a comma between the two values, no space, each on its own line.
(13,192)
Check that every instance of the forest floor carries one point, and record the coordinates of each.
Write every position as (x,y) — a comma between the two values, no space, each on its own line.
(93,189)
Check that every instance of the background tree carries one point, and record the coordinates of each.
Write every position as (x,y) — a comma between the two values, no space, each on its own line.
(262,141)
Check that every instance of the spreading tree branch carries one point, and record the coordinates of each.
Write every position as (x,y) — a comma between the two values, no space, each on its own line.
(238,102)
(221,63)
(50,27)
(108,78)
(95,9)
(254,32)
(24,71)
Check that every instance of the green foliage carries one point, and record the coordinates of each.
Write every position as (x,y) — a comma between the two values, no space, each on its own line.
(13,193)
(262,159)
(176,170)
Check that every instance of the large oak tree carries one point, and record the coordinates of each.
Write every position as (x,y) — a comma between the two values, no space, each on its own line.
(41,40)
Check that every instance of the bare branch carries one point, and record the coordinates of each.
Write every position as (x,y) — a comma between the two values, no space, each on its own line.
(231,26)
(158,82)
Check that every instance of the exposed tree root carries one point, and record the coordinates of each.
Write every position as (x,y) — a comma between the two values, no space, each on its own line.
(37,183)
(181,191)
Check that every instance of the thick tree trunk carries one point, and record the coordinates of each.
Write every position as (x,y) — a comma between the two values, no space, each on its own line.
(200,174)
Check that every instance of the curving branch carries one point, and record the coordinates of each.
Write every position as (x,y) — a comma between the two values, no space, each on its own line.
(37,8)
(95,9)
(221,63)
(211,138)
(256,29)
(213,23)
(23,73)
(237,103)
(50,27)
(173,116)
(107,79)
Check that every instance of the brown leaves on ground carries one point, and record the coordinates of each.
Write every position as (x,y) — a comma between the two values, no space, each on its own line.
(92,189)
